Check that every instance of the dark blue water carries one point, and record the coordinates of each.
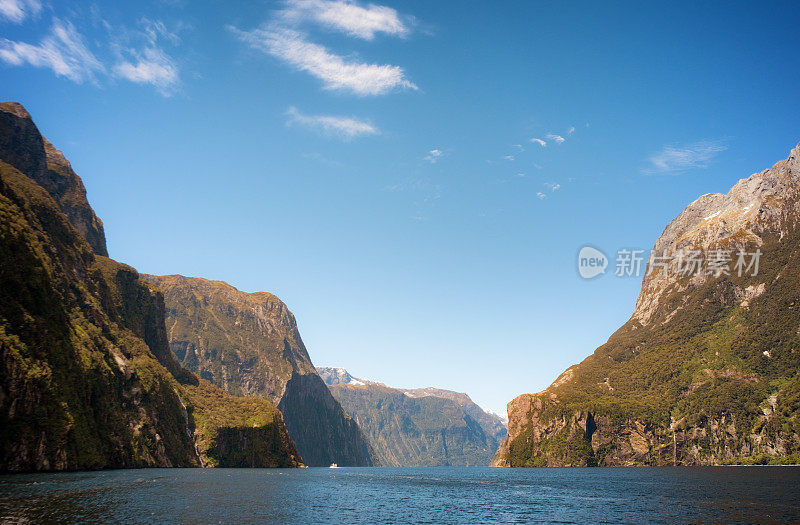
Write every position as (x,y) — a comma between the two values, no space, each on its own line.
(418,495)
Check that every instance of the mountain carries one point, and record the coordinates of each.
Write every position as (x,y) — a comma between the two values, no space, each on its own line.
(338,376)
(419,427)
(248,344)
(87,379)
(24,148)
(707,369)
(490,422)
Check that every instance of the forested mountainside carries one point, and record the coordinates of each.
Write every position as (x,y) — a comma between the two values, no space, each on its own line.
(706,371)
(87,380)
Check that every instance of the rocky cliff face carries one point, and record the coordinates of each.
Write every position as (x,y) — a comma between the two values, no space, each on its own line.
(248,344)
(420,427)
(707,370)
(87,379)
(25,149)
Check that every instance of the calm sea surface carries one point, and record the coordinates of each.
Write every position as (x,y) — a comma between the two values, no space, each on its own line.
(419,495)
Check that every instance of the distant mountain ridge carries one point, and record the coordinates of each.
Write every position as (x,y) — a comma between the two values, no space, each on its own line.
(339,376)
(417,427)
(491,423)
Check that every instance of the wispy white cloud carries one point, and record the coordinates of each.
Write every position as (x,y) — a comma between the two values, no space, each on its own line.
(136,55)
(156,29)
(541,195)
(558,139)
(571,130)
(284,37)
(508,157)
(518,147)
(343,127)
(346,16)
(17,11)
(552,186)
(153,67)
(680,158)
(539,142)
(335,71)
(144,61)
(433,155)
(63,51)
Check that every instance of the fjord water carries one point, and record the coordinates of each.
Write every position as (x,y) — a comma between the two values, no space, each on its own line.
(418,495)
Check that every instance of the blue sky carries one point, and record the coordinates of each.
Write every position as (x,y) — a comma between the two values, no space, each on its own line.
(414,179)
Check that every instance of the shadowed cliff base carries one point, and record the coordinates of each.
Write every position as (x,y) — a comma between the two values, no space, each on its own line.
(320,426)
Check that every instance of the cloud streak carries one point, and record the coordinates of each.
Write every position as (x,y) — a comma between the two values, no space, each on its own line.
(346,16)
(152,66)
(149,63)
(558,139)
(63,51)
(16,11)
(672,159)
(342,127)
(285,37)
(539,142)
(334,71)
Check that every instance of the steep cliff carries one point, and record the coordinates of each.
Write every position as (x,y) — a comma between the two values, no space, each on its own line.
(707,370)
(419,427)
(248,344)
(24,148)
(87,379)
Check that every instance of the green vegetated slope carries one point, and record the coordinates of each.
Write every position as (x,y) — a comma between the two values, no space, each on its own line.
(706,370)
(87,379)
(249,344)
(415,428)
(234,431)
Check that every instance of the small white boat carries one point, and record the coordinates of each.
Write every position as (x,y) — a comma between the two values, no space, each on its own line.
(334,465)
